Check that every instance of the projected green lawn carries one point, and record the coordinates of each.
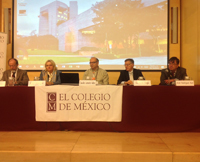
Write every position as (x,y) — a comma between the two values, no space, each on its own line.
(34,56)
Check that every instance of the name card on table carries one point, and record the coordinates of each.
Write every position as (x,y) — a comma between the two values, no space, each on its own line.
(36,83)
(142,83)
(185,83)
(87,82)
(2,83)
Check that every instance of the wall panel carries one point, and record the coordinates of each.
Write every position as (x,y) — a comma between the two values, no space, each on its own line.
(190,37)
(174,49)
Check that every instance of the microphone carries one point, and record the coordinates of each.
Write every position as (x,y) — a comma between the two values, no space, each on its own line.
(167,70)
(168,75)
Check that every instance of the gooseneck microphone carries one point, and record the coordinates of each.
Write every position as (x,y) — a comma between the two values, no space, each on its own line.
(168,75)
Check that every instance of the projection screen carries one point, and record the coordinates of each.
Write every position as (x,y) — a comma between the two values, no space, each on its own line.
(71,32)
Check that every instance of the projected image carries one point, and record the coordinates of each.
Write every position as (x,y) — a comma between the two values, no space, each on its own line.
(71,32)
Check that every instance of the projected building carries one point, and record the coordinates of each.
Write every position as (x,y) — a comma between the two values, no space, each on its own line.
(77,32)
(53,14)
(63,22)
(74,31)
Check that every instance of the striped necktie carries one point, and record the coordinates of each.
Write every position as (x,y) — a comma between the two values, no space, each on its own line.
(13,74)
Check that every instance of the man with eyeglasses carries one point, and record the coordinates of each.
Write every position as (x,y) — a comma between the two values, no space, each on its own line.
(130,74)
(96,73)
(173,72)
(20,76)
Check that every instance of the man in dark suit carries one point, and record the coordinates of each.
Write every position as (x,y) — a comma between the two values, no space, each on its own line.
(173,72)
(127,76)
(20,76)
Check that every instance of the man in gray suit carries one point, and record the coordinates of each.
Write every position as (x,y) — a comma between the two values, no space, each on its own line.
(173,72)
(20,76)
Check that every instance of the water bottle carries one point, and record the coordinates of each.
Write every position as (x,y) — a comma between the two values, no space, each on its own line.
(11,81)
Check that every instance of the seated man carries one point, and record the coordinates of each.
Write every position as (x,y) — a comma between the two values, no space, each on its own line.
(127,76)
(96,73)
(20,76)
(173,72)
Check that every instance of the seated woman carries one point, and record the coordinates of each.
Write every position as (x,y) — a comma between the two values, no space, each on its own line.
(51,75)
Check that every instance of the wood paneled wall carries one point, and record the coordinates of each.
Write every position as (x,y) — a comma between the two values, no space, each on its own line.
(174,49)
(190,36)
(1,16)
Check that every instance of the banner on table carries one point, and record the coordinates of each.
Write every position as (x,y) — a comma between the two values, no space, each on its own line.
(3,50)
(78,103)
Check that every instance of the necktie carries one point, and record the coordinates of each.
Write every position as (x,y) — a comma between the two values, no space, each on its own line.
(131,76)
(13,74)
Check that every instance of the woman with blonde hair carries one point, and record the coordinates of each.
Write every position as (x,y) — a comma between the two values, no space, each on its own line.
(51,75)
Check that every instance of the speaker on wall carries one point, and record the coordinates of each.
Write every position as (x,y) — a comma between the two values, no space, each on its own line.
(174,24)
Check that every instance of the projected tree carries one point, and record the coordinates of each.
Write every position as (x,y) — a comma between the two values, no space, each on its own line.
(119,21)
(157,28)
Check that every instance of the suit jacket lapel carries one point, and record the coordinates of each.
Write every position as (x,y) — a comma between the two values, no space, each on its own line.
(18,74)
(177,73)
(127,75)
(9,73)
(135,74)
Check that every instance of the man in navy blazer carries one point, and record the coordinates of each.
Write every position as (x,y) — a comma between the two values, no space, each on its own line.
(127,76)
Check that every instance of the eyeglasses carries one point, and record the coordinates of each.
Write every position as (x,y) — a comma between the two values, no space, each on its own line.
(127,64)
(12,65)
(172,63)
(92,62)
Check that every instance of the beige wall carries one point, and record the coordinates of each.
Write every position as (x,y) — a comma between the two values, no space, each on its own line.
(174,49)
(190,36)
